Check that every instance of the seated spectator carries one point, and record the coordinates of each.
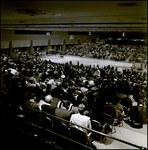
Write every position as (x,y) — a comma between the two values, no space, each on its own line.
(127,102)
(138,116)
(110,109)
(81,120)
(65,104)
(42,102)
(53,101)
(120,110)
(62,113)
(32,102)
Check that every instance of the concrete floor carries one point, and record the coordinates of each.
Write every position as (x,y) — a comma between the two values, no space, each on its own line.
(126,133)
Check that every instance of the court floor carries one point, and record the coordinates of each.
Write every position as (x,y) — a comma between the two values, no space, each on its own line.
(88,61)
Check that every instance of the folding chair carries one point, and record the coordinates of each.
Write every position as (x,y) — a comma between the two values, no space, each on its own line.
(120,119)
(109,120)
(61,128)
(96,125)
(80,136)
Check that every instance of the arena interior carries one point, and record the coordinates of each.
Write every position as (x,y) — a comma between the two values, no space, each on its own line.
(73,75)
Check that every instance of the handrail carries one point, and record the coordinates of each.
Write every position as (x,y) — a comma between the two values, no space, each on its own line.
(120,140)
(56,134)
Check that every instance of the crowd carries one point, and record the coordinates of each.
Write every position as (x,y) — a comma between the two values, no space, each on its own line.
(138,54)
(65,90)
(108,51)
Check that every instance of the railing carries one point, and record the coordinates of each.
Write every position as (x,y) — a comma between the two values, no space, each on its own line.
(70,140)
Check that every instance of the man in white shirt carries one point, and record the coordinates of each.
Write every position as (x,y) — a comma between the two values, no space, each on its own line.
(81,120)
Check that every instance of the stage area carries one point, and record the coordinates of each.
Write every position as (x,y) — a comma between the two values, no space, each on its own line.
(88,61)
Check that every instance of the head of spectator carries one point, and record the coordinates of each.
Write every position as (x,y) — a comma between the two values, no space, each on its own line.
(81,108)
(84,99)
(48,98)
(66,104)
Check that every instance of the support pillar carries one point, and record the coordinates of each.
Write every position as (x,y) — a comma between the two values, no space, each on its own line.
(64,45)
(10,49)
(31,47)
(48,47)
(7,52)
(27,50)
(97,39)
(78,41)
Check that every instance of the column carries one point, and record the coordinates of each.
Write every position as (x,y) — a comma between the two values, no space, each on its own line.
(78,41)
(48,47)
(97,39)
(64,45)
(27,50)
(31,47)
(7,52)
(10,49)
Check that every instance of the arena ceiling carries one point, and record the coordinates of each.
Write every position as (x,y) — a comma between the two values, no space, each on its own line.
(74,15)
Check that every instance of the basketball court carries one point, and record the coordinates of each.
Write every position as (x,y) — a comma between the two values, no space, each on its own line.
(88,61)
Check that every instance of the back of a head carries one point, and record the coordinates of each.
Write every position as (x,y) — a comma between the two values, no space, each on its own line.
(66,103)
(48,98)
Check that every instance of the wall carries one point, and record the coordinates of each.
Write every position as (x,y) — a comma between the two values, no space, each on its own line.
(56,38)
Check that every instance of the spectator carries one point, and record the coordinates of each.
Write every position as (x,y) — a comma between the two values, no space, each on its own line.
(81,120)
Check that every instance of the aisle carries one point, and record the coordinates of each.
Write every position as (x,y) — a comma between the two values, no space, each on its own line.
(127,133)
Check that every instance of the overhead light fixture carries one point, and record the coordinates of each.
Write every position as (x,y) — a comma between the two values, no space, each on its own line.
(71,37)
(56,15)
(48,33)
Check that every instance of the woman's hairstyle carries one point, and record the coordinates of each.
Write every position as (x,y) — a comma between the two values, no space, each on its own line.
(66,104)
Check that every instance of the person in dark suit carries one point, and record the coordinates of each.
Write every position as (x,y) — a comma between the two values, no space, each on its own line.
(53,101)
(110,109)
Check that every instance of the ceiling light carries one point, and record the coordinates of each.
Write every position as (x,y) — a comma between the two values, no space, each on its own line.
(71,37)
(56,15)
(48,33)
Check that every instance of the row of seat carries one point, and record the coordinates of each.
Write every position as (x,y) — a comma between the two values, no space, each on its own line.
(43,125)
(46,126)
